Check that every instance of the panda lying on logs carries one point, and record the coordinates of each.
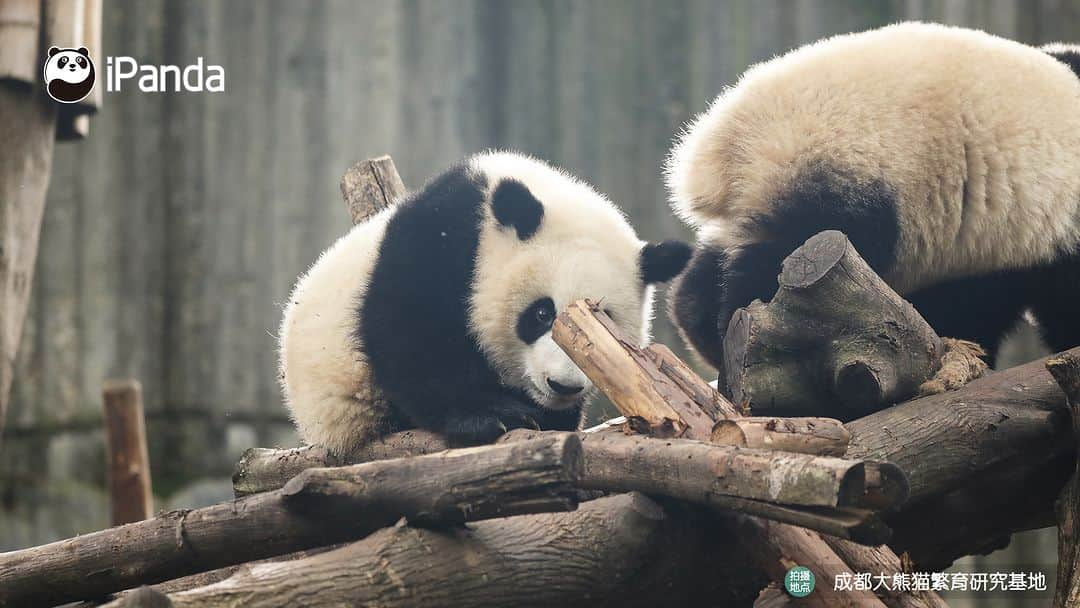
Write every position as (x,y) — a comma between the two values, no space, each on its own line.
(949,157)
(436,313)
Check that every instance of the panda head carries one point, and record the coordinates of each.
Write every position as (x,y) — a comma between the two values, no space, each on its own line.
(546,241)
(69,74)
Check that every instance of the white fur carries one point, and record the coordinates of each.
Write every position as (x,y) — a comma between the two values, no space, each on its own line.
(325,377)
(584,248)
(979,136)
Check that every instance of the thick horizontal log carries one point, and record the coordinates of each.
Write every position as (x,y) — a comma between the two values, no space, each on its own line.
(1011,418)
(751,481)
(318,507)
(821,436)
(624,550)
(701,472)
(262,469)
(1009,429)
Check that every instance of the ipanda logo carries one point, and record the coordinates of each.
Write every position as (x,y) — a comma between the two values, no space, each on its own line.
(194,78)
(69,74)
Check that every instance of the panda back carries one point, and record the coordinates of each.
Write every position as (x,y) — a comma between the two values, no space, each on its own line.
(977,136)
(324,369)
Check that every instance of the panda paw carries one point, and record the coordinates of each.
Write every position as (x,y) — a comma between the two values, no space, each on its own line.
(961,363)
(485,428)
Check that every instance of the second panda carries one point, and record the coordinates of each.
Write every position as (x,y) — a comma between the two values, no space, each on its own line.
(436,313)
(950,158)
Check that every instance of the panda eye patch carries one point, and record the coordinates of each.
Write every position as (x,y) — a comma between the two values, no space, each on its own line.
(81,62)
(536,320)
(62,62)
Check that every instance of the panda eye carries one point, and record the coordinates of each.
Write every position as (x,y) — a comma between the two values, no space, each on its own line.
(63,61)
(536,320)
(544,315)
(81,62)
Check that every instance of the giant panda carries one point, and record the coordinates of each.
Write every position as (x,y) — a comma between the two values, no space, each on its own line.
(949,157)
(436,313)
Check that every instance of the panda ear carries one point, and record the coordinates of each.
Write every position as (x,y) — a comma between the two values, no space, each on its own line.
(515,207)
(83,51)
(53,50)
(663,261)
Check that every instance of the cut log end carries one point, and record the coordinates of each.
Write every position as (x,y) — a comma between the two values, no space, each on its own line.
(814,260)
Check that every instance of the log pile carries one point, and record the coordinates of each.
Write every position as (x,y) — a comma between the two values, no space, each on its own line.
(688,500)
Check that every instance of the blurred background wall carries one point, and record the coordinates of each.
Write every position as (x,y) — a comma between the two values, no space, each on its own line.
(174,232)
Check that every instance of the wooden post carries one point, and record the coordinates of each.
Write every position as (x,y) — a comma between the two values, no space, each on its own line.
(127,460)
(370,186)
(580,331)
(1065,368)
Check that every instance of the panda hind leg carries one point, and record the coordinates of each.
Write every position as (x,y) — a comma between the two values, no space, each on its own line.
(975,312)
(1056,301)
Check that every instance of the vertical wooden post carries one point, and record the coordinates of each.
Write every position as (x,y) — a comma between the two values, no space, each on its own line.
(1065,368)
(127,459)
(369,186)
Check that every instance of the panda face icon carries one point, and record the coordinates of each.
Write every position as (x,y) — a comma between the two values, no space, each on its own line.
(69,74)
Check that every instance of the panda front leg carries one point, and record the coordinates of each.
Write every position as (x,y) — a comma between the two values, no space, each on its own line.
(498,414)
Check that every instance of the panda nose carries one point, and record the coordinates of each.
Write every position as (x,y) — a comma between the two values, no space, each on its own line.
(562,389)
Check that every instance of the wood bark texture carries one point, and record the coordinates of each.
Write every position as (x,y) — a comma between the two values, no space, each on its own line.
(318,507)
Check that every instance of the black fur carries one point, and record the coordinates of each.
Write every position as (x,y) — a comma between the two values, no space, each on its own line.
(414,324)
(515,207)
(980,308)
(822,198)
(1069,57)
(1054,292)
(536,320)
(663,261)
(695,300)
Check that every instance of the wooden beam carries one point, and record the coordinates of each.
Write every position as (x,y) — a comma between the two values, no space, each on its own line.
(1066,371)
(318,507)
(27,132)
(127,459)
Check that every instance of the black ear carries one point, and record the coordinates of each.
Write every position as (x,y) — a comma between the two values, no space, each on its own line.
(663,261)
(515,207)
(83,51)
(53,50)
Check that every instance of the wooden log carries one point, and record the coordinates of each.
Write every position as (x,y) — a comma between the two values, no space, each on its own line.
(27,130)
(581,343)
(1011,418)
(958,449)
(318,507)
(370,186)
(624,550)
(831,318)
(126,457)
(262,469)
(1066,371)
(705,473)
(627,374)
(753,481)
(143,597)
(637,387)
(821,436)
